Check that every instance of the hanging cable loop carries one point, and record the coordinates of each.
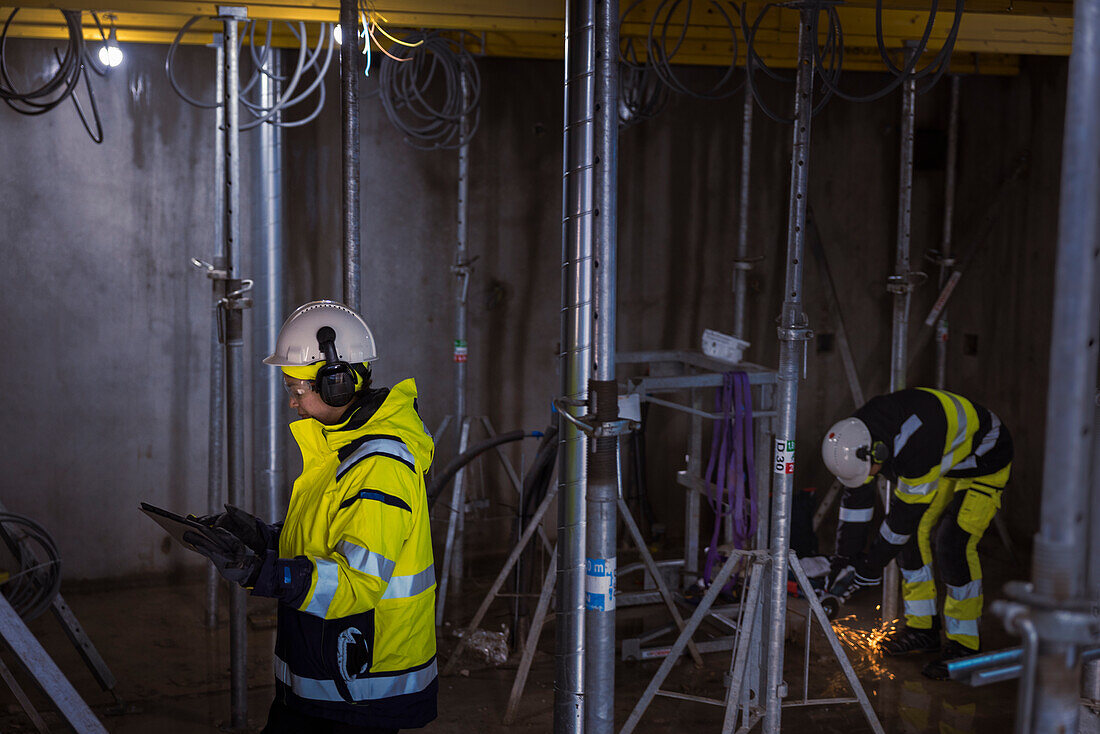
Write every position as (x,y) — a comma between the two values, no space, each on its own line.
(308,61)
(420,86)
(62,83)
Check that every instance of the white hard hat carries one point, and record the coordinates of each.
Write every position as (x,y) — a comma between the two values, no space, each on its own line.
(297,343)
(841,448)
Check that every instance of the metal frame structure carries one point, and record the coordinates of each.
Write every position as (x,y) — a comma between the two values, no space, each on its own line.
(1056,613)
(741,702)
(697,373)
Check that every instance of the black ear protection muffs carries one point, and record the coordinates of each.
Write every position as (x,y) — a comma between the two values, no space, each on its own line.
(335,381)
(879,453)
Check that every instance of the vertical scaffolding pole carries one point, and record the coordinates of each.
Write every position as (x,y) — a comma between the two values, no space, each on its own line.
(946,260)
(462,265)
(603,482)
(233,316)
(576,358)
(462,269)
(1059,568)
(269,256)
(215,468)
(899,285)
(741,264)
(794,331)
(1090,677)
(349,107)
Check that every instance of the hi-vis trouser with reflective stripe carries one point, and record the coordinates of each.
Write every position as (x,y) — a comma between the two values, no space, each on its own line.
(963,509)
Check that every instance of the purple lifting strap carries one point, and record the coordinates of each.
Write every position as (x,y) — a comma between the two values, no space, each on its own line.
(730,468)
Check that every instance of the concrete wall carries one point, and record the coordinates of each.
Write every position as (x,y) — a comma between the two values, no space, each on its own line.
(104,304)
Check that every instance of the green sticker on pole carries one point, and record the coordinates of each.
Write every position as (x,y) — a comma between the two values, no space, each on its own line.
(460,350)
(784,456)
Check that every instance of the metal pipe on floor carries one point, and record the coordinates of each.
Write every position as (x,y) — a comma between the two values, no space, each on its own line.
(233,318)
(576,357)
(215,468)
(268,258)
(741,264)
(349,109)
(899,284)
(794,331)
(946,259)
(1059,568)
(601,506)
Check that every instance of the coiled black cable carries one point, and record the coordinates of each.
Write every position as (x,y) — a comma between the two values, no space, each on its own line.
(30,590)
(62,84)
(834,49)
(661,51)
(642,95)
(308,61)
(421,90)
(909,70)
(440,482)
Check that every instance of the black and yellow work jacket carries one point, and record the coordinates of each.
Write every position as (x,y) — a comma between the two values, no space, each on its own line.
(355,577)
(931,436)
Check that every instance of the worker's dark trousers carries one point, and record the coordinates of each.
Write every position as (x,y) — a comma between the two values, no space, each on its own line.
(283,720)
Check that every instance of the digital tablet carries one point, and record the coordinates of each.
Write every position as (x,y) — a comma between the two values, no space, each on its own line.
(176,525)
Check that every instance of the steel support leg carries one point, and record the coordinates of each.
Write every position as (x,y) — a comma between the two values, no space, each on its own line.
(794,331)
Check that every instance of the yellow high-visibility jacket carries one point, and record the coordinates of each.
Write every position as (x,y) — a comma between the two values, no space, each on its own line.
(356,638)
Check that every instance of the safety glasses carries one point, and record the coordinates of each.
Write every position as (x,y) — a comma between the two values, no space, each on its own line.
(298,389)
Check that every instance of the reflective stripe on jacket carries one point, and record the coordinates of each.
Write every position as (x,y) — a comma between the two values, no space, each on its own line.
(933,434)
(360,647)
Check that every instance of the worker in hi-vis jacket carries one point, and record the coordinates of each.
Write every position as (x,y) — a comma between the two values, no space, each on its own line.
(949,459)
(352,563)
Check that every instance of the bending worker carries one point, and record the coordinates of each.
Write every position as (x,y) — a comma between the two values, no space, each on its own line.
(950,459)
(352,563)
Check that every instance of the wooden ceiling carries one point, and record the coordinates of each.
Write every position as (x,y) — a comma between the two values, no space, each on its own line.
(993,34)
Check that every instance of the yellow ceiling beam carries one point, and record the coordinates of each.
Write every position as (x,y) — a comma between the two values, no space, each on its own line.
(534,28)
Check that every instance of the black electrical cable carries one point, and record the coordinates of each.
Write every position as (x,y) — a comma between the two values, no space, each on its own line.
(62,84)
(420,87)
(440,482)
(934,68)
(660,53)
(642,95)
(31,590)
(308,60)
(834,49)
(537,480)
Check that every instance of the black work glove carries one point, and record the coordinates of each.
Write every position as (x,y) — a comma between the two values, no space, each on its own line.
(848,577)
(234,560)
(251,530)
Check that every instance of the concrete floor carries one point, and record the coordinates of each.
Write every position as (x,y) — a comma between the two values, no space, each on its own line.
(173,675)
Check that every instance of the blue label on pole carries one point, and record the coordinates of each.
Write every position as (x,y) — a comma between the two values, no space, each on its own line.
(599,584)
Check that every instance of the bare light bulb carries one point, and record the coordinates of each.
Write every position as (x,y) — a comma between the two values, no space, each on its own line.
(110,54)
(338,34)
